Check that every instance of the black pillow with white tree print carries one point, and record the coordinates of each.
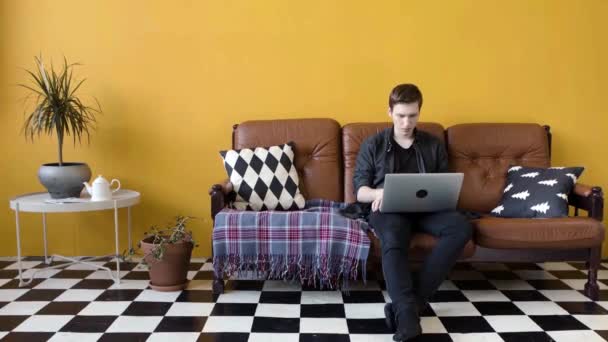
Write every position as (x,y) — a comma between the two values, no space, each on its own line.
(537,192)
(264,178)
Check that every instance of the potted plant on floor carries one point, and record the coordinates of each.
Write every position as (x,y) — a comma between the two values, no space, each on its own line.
(167,254)
(58,110)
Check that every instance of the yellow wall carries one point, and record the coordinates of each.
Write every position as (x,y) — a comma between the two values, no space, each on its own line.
(173,76)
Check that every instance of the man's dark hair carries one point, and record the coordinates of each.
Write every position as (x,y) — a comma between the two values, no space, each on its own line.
(405,93)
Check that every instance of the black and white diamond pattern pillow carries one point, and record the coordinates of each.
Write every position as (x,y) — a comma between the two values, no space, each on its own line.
(264,178)
(537,192)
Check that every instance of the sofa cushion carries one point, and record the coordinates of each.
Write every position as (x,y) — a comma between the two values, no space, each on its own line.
(513,233)
(484,152)
(537,192)
(317,151)
(264,178)
(354,134)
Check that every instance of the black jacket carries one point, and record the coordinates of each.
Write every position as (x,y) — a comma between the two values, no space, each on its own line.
(376,158)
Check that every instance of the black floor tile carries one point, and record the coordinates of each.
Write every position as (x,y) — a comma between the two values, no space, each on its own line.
(54,263)
(470,324)
(561,322)
(8,323)
(497,308)
(181,324)
(367,326)
(463,266)
(529,336)
(500,275)
(324,338)
(578,265)
(89,324)
(223,337)
(448,296)
(4,264)
(203,275)
(549,284)
(118,295)
(520,266)
(196,296)
(94,284)
(62,308)
(322,310)
(3,304)
(433,338)
(137,275)
(195,266)
(583,308)
(363,297)
(474,285)
(72,274)
(8,274)
(569,274)
(147,309)
(124,266)
(275,325)
(27,336)
(233,309)
(603,333)
(281,297)
(603,295)
(124,337)
(244,285)
(14,284)
(525,296)
(40,295)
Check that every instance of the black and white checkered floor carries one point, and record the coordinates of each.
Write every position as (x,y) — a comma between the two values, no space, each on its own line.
(480,302)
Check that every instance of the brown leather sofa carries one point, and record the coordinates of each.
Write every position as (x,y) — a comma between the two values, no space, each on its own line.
(325,155)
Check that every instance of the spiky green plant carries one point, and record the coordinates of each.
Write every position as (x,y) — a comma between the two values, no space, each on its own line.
(57,108)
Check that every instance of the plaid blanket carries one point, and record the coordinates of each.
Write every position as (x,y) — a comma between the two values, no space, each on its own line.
(315,245)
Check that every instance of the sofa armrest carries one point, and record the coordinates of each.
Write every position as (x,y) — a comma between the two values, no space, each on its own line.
(589,198)
(221,194)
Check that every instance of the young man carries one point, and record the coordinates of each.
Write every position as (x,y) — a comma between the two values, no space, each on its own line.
(404,149)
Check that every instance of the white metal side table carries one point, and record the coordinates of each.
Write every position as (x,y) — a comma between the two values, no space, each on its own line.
(42,203)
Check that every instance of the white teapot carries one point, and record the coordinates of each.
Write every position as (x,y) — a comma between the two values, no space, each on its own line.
(100,190)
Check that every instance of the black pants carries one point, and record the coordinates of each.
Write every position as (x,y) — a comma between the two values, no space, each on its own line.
(395,230)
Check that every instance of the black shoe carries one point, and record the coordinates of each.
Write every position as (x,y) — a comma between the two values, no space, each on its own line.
(409,335)
(389,317)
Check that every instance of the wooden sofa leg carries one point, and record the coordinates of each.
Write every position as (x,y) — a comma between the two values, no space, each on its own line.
(591,288)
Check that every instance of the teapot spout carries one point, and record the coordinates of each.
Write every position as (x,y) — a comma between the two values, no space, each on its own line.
(88,187)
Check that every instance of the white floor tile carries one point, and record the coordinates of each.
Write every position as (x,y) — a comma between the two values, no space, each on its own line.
(239,297)
(371,338)
(10,295)
(448,285)
(432,325)
(44,323)
(39,273)
(466,275)
(22,308)
(602,274)
(540,308)
(579,284)
(476,337)
(264,337)
(157,296)
(364,310)
(190,309)
(513,284)
(575,336)
(105,275)
(8,258)
(199,260)
(278,310)
(200,285)
(557,266)
(455,309)
(24,265)
(207,267)
(534,274)
(78,295)
(595,322)
(323,325)
(191,274)
(228,324)
(603,304)
(485,296)
(512,323)
(75,337)
(83,267)
(104,309)
(57,283)
(564,295)
(279,285)
(4,281)
(130,285)
(173,336)
(3,333)
(135,324)
(321,297)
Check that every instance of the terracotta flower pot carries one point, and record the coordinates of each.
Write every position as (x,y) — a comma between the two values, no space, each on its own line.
(170,273)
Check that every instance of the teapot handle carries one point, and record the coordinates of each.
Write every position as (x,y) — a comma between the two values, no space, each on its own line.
(112,182)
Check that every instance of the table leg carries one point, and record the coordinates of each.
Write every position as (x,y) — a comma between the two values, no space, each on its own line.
(129,226)
(18,227)
(117,280)
(47,260)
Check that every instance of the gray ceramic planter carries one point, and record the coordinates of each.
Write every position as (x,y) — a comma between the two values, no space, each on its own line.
(64,181)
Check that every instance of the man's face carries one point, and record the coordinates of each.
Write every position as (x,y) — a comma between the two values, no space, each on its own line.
(405,117)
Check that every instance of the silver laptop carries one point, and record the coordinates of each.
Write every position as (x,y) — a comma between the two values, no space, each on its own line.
(420,192)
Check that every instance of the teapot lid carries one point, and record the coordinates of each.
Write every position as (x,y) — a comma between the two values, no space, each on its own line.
(101,180)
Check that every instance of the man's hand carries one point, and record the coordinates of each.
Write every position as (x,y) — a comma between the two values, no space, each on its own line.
(377,203)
